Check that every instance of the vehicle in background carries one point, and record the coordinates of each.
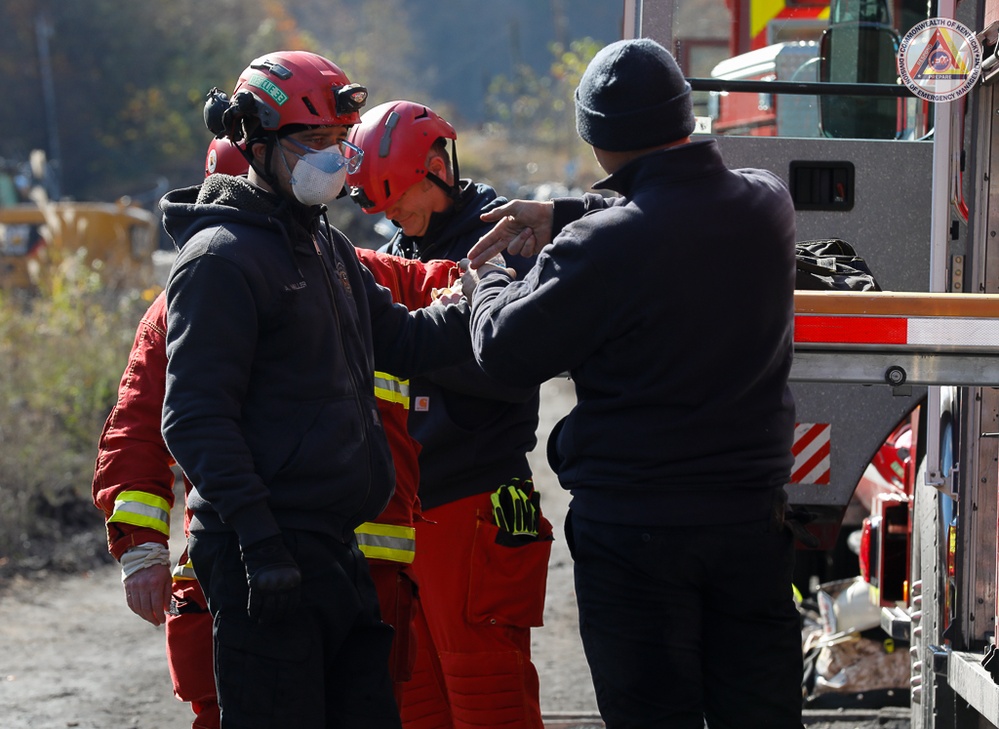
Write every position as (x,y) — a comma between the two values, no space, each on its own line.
(903,426)
(859,40)
(37,235)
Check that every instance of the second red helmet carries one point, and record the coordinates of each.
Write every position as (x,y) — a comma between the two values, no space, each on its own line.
(225,157)
(396,137)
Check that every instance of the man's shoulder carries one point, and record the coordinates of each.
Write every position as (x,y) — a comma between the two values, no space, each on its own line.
(243,245)
(762,175)
(485,190)
(772,188)
(483,197)
(217,238)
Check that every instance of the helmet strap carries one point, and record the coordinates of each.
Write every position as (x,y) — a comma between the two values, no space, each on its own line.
(247,152)
(452,191)
(454,164)
(271,142)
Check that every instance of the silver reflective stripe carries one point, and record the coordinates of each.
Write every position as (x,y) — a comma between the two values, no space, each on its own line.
(387,541)
(143,509)
(392,389)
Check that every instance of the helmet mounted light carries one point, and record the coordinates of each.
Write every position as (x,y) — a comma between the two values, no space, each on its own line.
(350,98)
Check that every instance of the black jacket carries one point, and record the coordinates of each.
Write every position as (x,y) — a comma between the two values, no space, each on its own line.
(475,431)
(672,308)
(270,406)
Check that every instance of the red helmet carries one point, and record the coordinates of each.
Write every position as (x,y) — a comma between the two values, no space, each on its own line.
(396,138)
(225,157)
(282,88)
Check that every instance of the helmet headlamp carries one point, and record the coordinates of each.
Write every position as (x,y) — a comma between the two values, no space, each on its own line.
(350,98)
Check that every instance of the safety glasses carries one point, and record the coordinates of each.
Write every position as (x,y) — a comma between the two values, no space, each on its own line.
(349,154)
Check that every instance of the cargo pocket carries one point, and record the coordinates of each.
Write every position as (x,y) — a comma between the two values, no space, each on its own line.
(507,583)
(265,669)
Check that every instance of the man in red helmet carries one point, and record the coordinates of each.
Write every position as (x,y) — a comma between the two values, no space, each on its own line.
(133,467)
(481,577)
(134,486)
(274,333)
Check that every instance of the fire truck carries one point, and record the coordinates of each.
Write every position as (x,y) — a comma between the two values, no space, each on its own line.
(905,380)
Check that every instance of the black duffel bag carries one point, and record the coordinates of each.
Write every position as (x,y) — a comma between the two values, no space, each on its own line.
(832,265)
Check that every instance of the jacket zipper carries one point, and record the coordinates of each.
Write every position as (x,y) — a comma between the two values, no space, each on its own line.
(343,348)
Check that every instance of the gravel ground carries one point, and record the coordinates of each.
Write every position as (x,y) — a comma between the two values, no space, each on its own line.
(73,655)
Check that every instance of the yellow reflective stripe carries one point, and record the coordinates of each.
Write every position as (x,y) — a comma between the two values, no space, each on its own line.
(387,541)
(143,509)
(392,389)
(184,571)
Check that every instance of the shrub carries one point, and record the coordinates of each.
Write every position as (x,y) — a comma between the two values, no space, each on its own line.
(62,352)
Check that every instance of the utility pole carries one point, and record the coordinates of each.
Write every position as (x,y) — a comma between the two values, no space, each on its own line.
(561,21)
(53,183)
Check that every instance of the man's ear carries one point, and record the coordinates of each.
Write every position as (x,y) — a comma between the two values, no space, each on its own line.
(437,166)
(259,151)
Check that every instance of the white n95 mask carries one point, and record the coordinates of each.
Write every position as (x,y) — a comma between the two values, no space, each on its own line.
(319,174)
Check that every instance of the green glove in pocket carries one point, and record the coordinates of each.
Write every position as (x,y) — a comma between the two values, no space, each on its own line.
(517,508)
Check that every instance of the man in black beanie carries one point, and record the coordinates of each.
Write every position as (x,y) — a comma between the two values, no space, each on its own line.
(679,446)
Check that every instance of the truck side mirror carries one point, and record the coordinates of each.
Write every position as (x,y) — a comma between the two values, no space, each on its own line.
(859,52)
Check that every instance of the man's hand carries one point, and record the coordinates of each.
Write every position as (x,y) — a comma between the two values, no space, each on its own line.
(450,295)
(523,227)
(470,277)
(274,580)
(147,592)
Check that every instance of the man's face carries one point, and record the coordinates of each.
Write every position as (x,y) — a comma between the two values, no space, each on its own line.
(287,154)
(321,137)
(412,211)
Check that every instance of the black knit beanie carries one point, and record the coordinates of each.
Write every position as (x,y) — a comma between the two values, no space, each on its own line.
(633,96)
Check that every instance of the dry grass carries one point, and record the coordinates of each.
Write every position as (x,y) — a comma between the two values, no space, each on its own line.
(62,351)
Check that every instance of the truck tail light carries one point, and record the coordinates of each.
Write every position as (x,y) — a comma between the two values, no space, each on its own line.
(893,569)
(884,548)
(868,555)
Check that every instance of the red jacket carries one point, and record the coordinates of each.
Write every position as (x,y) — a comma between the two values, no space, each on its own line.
(393,537)
(133,476)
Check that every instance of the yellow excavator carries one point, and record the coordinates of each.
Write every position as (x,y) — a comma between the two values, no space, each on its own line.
(116,239)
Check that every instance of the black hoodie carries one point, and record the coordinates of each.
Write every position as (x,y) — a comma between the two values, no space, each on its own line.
(274,331)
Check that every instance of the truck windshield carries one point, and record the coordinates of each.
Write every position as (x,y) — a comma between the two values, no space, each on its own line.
(840,43)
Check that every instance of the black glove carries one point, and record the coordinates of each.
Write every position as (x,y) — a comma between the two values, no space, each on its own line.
(274,580)
(517,508)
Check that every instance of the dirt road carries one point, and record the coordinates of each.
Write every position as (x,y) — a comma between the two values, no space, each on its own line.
(73,655)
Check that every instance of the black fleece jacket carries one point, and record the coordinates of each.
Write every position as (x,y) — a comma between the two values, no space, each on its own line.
(274,332)
(672,308)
